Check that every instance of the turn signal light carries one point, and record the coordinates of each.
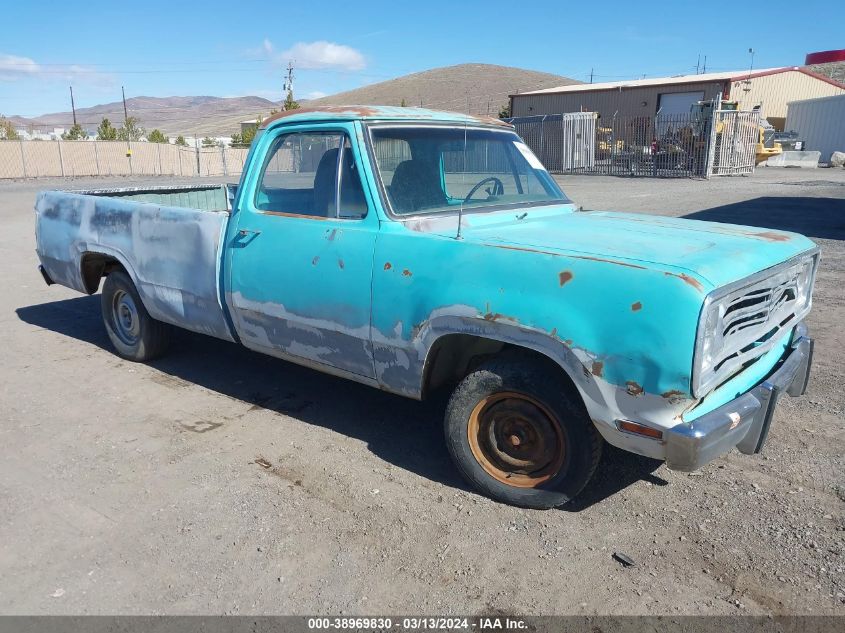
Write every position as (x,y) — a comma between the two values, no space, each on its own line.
(639,429)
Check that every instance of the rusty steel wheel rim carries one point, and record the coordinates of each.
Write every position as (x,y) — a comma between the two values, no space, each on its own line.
(516,439)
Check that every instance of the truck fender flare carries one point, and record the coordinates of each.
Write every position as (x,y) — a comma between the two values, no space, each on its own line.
(563,355)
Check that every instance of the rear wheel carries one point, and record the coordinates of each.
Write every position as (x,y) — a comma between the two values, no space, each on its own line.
(134,333)
(517,436)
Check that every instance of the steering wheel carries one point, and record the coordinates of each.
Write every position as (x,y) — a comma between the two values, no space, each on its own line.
(498,188)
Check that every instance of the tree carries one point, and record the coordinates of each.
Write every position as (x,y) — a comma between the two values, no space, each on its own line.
(75,133)
(7,130)
(156,136)
(237,139)
(290,104)
(209,142)
(505,111)
(106,131)
(180,140)
(130,131)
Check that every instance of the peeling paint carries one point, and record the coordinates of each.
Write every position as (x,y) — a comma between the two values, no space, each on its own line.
(565,277)
(634,388)
(388,266)
(597,368)
(771,236)
(407,273)
(687,280)
(636,306)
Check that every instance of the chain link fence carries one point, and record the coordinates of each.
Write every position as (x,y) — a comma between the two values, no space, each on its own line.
(39,159)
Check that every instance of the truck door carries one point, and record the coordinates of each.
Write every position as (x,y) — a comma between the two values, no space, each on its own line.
(302,252)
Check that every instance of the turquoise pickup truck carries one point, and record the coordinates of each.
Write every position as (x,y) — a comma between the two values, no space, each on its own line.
(417,251)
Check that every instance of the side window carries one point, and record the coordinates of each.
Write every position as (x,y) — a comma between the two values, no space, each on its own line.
(353,204)
(300,175)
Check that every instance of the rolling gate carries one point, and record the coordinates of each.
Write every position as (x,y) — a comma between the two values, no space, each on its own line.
(686,145)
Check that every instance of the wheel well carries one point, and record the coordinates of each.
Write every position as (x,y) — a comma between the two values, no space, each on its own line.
(453,356)
(95,266)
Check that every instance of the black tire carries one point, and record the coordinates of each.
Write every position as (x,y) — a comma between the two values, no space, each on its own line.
(136,336)
(530,400)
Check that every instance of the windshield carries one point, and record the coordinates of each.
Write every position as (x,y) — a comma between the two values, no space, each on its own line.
(428,169)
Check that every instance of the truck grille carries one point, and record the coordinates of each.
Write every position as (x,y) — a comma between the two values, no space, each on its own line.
(752,317)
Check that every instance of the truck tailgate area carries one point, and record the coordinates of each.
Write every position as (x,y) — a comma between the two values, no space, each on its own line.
(171,252)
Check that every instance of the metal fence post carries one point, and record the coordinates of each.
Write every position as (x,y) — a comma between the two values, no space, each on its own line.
(223,156)
(61,159)
(23,159)
(97,157)
(711,143)
(158,151)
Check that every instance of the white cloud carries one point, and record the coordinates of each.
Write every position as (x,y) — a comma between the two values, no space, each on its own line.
(15,67)
(316,55)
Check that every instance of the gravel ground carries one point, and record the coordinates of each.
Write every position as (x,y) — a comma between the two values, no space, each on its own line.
(132,489)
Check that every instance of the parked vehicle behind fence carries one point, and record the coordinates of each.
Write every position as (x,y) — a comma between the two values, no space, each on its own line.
(415,251)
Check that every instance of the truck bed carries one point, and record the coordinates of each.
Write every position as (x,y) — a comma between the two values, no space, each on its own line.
(167,238)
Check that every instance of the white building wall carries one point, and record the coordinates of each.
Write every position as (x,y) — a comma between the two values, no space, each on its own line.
(819,122)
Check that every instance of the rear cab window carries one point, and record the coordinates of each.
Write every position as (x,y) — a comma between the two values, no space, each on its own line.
(311,174)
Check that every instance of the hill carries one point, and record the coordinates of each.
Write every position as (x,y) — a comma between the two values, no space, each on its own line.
(172,115)
(487,87)
(834,70)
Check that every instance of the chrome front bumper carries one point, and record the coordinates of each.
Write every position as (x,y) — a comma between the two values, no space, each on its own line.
(743,422)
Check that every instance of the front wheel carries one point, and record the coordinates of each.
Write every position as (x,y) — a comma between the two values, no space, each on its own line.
(134,333)
(518,437)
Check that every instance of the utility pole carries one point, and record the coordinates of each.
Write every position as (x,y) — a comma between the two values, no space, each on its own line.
(591,75)
(126,127)
(704,70)
(288,84)
(72,106)
(125,114)
(698,63)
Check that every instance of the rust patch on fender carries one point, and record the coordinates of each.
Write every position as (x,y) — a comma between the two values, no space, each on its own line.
(687,280)
(565,277)
(771,236)
(407,273)
(636,307)
(634,388)
(598,368)
(388,265)
(493,316)
(674,393)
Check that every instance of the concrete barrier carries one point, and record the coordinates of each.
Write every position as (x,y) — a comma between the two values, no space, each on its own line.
(794,159)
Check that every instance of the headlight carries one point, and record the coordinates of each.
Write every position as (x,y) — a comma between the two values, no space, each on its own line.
(804,284)
(712,334)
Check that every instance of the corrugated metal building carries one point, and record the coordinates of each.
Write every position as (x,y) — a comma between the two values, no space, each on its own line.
(771,89)
(820,123)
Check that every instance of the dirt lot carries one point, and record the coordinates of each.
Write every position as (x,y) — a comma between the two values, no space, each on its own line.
(128,488)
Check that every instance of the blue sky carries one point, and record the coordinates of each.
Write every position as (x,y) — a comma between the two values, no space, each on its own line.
(238,48)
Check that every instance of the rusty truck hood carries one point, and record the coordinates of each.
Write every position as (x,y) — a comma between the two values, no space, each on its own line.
(717,253)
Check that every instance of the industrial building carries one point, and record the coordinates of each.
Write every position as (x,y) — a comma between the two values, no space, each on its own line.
(820,123)
(770,89)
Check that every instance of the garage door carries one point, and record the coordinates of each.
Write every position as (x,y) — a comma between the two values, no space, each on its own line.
(678,102)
